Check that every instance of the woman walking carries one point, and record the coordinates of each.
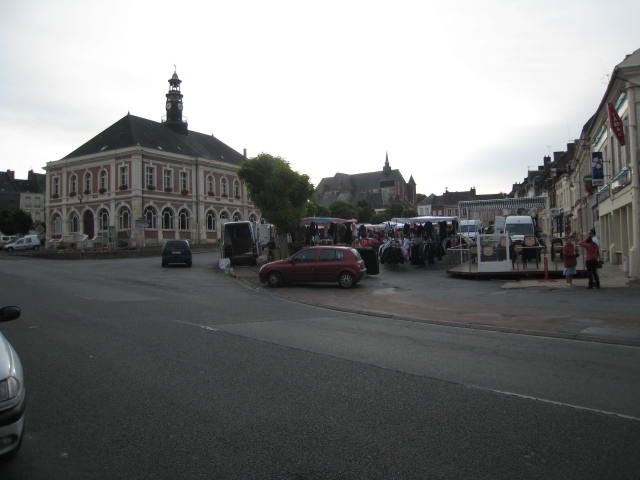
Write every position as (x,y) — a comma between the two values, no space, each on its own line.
(592,256)
(569,259)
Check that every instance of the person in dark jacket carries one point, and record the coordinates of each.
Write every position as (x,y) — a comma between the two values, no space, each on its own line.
(592,257)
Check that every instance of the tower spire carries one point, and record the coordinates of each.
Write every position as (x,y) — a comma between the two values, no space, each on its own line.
(174,105)
(387,168)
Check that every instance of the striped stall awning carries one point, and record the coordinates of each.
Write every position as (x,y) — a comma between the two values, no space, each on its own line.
(503,203)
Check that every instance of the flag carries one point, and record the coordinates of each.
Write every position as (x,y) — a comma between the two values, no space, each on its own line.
(616,124)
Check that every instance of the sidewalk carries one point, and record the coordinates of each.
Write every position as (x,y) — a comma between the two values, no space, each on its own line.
(533,307)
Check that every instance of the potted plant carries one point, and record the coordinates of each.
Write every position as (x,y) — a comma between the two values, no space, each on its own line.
(185,192)
(72,194)
(151,187)
(211,194)
(55,195)
(123,187)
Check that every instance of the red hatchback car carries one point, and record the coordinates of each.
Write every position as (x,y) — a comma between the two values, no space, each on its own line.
(316,264)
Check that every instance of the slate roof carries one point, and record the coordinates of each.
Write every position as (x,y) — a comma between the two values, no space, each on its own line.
(35,184)
(132,131)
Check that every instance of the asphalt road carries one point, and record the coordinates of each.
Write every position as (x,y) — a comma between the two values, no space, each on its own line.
(140,372)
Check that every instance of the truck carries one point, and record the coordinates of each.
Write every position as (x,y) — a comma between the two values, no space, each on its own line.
(470,228)
(518,227)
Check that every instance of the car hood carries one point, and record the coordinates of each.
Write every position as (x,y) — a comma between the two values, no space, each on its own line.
(276,262)
(9,362)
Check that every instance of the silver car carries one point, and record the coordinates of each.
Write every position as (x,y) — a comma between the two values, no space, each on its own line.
(12,391)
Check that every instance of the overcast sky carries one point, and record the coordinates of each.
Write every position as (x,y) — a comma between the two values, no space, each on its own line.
(459,93)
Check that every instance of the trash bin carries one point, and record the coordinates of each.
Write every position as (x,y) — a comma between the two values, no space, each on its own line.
(371,260)
(618,258)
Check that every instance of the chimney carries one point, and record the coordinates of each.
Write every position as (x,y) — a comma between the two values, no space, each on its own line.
(473,192)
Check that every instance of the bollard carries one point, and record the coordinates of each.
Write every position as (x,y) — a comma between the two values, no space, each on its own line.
(546,268)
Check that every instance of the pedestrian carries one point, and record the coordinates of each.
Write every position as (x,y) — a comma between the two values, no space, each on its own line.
(592,257)
(595,239)
(569,259)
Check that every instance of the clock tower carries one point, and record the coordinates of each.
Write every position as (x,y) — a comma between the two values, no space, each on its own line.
(174,105)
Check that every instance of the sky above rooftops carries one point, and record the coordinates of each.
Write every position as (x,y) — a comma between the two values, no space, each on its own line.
(460,94)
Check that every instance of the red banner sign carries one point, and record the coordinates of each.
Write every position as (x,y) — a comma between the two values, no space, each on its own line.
(616,124)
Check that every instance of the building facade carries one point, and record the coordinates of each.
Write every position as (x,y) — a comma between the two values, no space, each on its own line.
(380,189)
(141,182)
(26,195)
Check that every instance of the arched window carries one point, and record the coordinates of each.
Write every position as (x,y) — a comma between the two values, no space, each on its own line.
(151,215)
(124,219)
(73,184)
(253,218)
(224,216)
(224,187)
(87,183)
(237,217)
(211,221)
(183,219)
(167,219)
(103,181)
(236,189)
(57,224)
(211,185)
(103,220)
(74,222)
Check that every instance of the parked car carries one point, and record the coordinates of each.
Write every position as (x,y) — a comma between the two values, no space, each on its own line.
(4,239)
(28,242)
(12,391)
(316,264)
(176,251)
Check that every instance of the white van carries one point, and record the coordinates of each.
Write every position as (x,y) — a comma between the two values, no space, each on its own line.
(518,227)
(470,228)
(28,242)
(239,243)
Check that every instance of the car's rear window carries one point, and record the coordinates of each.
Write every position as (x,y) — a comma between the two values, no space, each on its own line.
(356,253)
(176,244)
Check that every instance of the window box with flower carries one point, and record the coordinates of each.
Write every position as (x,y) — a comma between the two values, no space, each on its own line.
(123,187)
(184,191)
(168,189)
(151,187)
(72,194)
(55,195)
(102,190)
(87,191)
(211,194)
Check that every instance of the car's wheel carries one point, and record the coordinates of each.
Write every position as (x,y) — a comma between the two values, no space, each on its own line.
(189,264)
(164,264)
(346,280)
(10,249)
(274,279)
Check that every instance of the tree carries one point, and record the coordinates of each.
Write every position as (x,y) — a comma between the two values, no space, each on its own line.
(409,212)
(395,210)
(15,221)
(316,210)
(280,193)
(342,209)
(365,212)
